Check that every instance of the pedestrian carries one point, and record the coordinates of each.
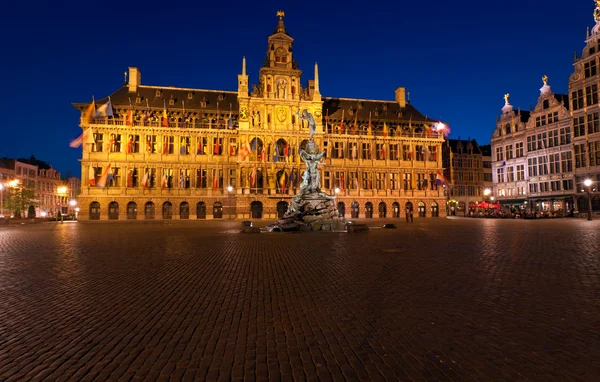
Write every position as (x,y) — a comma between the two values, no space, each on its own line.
(407,215)
(411,216)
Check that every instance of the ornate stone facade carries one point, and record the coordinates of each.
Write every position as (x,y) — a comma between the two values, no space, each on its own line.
(163,152)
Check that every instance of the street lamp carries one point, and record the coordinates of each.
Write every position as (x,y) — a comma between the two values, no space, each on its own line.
(588,184)
(229,189)
(487,193)
(337,190)
(76,212)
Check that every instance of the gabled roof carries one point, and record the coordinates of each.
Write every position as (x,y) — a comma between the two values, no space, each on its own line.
(181,97)
(381,111)
(486,150)
(562,98)
(455,143)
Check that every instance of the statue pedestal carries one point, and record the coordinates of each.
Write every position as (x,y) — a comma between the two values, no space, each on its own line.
(310,212)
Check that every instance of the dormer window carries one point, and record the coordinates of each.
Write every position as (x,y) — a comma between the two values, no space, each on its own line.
(203,103)
(221,97)
(360,105)
(171,102)
(376,113)
(138,99)
(507,129)
(190,95)
(385,107)
(351,112)
(546,104)
(158,93)
(399,114)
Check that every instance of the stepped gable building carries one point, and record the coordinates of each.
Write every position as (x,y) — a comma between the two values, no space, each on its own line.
(463,165)
(153,152)
(585,110)
(532,159)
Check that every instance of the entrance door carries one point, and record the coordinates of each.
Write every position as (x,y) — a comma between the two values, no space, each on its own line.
(281,209)
(113,211)
(94,211)
(256,208)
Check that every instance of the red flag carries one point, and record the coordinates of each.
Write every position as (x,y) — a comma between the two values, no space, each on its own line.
(129,118)
(130,145)
(217,148)
(355,127)
(342,181)
(165,117)
(165,145)
(342,123)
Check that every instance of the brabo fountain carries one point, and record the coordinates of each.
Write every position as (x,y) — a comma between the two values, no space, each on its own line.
(310,209)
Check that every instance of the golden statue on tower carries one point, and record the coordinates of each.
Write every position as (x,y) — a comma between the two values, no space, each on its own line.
(506,97)
(545,77)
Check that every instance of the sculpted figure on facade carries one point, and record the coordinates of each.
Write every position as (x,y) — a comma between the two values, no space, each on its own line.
(281,89)
(306,116)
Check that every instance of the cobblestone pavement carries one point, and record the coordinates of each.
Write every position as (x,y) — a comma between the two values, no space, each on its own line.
(435,300)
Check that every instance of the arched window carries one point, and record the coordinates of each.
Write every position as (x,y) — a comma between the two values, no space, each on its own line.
(507,129)
(368,210)
(113,211)
(354,210)
(435,211)
(395,210)
(149,210)
(256,209)
(131,210)
(408,207)
(282,208)
(217,210)
(341,209)
(167,210)
(201,210)
(546,104)
(422,211)
(282,149)
(94,211)
(382,210)
(184,210)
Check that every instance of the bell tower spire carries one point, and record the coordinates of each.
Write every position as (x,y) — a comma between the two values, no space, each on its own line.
(243,81)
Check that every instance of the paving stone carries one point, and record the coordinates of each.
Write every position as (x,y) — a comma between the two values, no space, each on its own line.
(433,300)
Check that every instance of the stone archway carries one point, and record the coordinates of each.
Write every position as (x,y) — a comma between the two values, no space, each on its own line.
(256,209)
(94,211)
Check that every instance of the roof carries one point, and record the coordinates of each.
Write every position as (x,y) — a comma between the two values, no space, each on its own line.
(524,115)
(388,111)
(455,143)
(486,150)
(562,98)
(158,97)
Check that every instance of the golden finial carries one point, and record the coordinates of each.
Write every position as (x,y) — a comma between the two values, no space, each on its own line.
(597,11)
(281,14)
(545,77)
(507,96)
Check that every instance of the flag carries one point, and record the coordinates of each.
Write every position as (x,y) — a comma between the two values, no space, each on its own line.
(129,177)
(292,178)
(370,127)
(216,179)
(163,181)
(342,182)
(165,117)
(342,123)
(165,145)
(356,185)
(145,180)
(129,118)
(503,164)
(86,137)
(385,130)
(428,129)
(102,181)
(105,110)
(181,179)
(244,151)
(130,145)
(426,152)
(354,150)
(92,177)
(148,144)
(382,152)
(282,181)
(199,149)
(253,177)
(89,112)
(231,149)
(286,150)
(440,178)
(355,127)
(216,146)
(230,120)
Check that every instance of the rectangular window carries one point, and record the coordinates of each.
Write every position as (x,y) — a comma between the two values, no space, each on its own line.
(509,152)
(533,187)
(233,148)
(166,180)
(184,178)
(421,183)
(380,151)
(499,154)
(393,181)
(353,150)
(419,155)
(184,145)
(566,159)
(531,144)
(337,150)
(394,151)
(133,144)
(568,184)
(200,178)
(115,143)
(326,180)
(579,126)
(543,165)
(520,172)
(168,144)
(201,143)
(532,164)
(151,144)
(340,180)
(500,173)
(565,136)
(593,123)
(366,151)
(554,163)
(353,180)
(594,150)
(471,191)
(591,95)
(510,174)
(544,187)
(380,181)
(407,181)
(590,69)
(518,149)
(406,153)
(555,185)
(579,155)
(541,141)
(553,138)
(96,146)
(150,177)
(367,181)
(133,177)
(218,147)
(577,99)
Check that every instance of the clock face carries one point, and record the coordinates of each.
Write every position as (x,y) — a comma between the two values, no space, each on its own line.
(244,113)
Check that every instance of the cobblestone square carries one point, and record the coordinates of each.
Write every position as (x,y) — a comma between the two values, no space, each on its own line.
(440,299)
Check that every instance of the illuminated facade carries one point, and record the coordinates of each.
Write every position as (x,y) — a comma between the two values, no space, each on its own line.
(153,152)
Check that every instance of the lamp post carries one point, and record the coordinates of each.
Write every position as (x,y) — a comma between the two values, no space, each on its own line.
(492,200)
(76,212)
(229,189)
(73,203)
(337,191)
(487,193)
(588,184)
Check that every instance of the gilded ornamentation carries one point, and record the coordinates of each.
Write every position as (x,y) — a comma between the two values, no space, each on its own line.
(244,113)
(281,113)
(317,113)
(545,78)
(506,97)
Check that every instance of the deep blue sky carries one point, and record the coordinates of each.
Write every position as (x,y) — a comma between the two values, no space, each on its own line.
(457,59)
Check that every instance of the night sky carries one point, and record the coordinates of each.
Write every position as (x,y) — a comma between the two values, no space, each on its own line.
(457,59)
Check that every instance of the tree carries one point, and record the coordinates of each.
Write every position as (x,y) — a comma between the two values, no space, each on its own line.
(18,198)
